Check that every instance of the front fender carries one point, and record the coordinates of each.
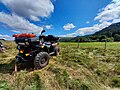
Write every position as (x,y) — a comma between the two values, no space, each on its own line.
(19,59)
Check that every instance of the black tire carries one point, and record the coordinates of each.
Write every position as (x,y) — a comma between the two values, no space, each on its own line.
(41,60)
(57,50)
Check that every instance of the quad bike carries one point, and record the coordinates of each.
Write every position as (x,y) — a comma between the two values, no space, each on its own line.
(2,48)
(35,51)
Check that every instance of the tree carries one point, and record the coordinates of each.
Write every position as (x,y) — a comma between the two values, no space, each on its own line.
(111,39)
(117,37)
(102,38)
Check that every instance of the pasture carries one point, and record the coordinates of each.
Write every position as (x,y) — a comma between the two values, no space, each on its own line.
(89,67)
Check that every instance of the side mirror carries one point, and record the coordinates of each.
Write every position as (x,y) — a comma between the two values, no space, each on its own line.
(42,32)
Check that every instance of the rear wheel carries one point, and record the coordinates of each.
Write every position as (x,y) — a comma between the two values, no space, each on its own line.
(41,60)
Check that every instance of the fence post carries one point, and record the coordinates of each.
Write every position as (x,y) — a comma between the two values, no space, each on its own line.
(78,43)
(105,42)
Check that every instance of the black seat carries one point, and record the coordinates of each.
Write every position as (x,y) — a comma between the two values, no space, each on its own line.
(51,38)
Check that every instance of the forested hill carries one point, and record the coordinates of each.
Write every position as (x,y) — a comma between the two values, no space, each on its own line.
(111,33)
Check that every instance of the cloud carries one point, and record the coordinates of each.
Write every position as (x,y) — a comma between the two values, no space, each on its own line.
(49,26)
(107,16)
(68,26)
(68,35)
(110,12)
(6,37)
(116,20)
(30,8)
(116,1)
(88,30)
(15,31)
(91,30)
(34,18)
(87,22)
(19,24)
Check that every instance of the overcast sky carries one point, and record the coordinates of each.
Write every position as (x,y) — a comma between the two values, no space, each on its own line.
(57,17)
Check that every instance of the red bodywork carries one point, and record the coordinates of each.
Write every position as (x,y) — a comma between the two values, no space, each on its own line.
(26,35)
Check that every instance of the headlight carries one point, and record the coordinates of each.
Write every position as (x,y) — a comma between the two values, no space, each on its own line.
(27,54)
(21,51)
(42,46)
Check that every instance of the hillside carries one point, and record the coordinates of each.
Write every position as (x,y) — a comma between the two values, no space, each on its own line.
(111,33)
(88,68)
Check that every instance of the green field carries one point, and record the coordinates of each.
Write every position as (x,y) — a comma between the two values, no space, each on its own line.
(101,45)
(89,67)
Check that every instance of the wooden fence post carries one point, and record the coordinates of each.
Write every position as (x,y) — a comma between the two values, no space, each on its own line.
(78,43)
(105,42)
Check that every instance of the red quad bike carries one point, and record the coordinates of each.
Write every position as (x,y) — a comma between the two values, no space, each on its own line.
(35,52)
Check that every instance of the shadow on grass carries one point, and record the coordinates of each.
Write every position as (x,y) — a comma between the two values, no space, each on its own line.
(7,68)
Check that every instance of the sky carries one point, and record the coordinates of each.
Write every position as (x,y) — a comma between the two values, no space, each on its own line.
(64,18)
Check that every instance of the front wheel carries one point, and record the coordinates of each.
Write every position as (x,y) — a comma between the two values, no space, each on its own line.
(41,60)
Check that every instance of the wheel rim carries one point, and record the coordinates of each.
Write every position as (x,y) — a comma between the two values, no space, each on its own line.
(43,61)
